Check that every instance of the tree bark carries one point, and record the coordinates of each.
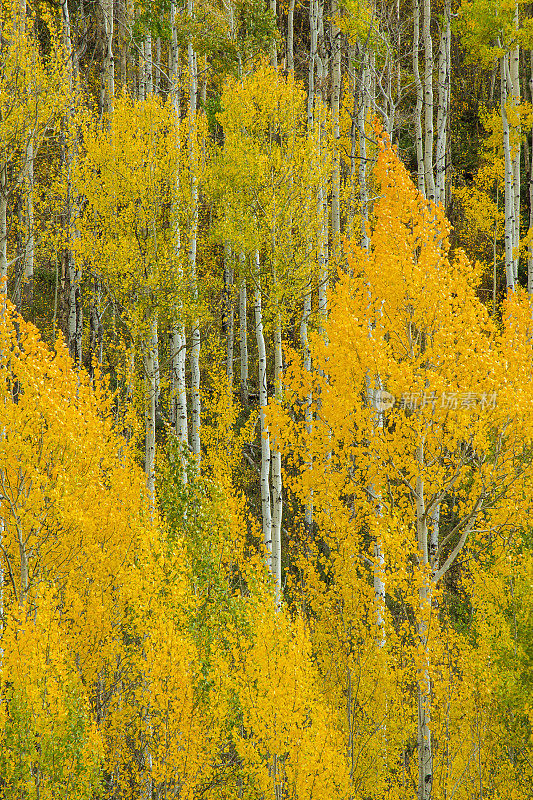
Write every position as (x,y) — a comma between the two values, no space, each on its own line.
(193,233)
(150,408)
(509,189)
(277,482)
(421,182)
(514,62)
(243,341)
(304,340)
(228,313)
(30,241)
(148,68)
(336,78)
(530,246)
(443,106)
(265,438)
(290,36)
(109,69)
(425,752)
(428,102)
(3,231)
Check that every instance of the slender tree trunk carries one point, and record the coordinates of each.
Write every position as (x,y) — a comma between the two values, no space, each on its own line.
(306,351)
(514,61)
(290,37)
(277,483)
(361,124)
(443,107)
(193,159)
(428,102)
(243,341)
(425,752)
(109,73)
(148,66)
(509,189)
(313,29)
(273,48)
(336,78)
(3,230)
(74,306)
(30,243)
(419,99)
(178,352)
(228,313)
(530,246)
(265,438)
(150,409)
(323,254)
(157,66)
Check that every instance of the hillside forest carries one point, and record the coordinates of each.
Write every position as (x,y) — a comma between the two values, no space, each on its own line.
(266,400)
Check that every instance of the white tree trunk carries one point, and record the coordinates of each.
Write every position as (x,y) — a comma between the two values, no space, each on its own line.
(290,37)
(178,413)
(3,231)
(443,107)
(509,188)
(141,77)
(243,340)
(30,242)
(178,343)
(277,483)
(419,99)
(265,438)
(109,66)
(148,71)
(157,66)
(174,62)
(313,50)
(228,313)
(428,102)
(273,48)
(514,61)
(193,159)
(379,590)
(150,407)
(195,390)
(72,301)
(425,752)
(361,123)
(336,79)
(306,351)
(530,246)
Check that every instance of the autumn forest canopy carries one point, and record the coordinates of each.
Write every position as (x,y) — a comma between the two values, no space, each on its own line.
(266,400)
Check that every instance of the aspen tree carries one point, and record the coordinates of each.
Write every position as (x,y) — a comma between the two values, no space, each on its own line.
(429,174)
(109,69)
(33,93)
(228,313)
(510,220)
(263,170)
(419,99)
(442,451)
(178,343)
(514,66)
(193,234)
(336,62)
(126,231)
(69,147)
(494,31)
(444,71)
(266,506)
(530,245)
(243,339)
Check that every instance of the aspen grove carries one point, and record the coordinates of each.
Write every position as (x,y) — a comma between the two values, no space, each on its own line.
(266,400)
